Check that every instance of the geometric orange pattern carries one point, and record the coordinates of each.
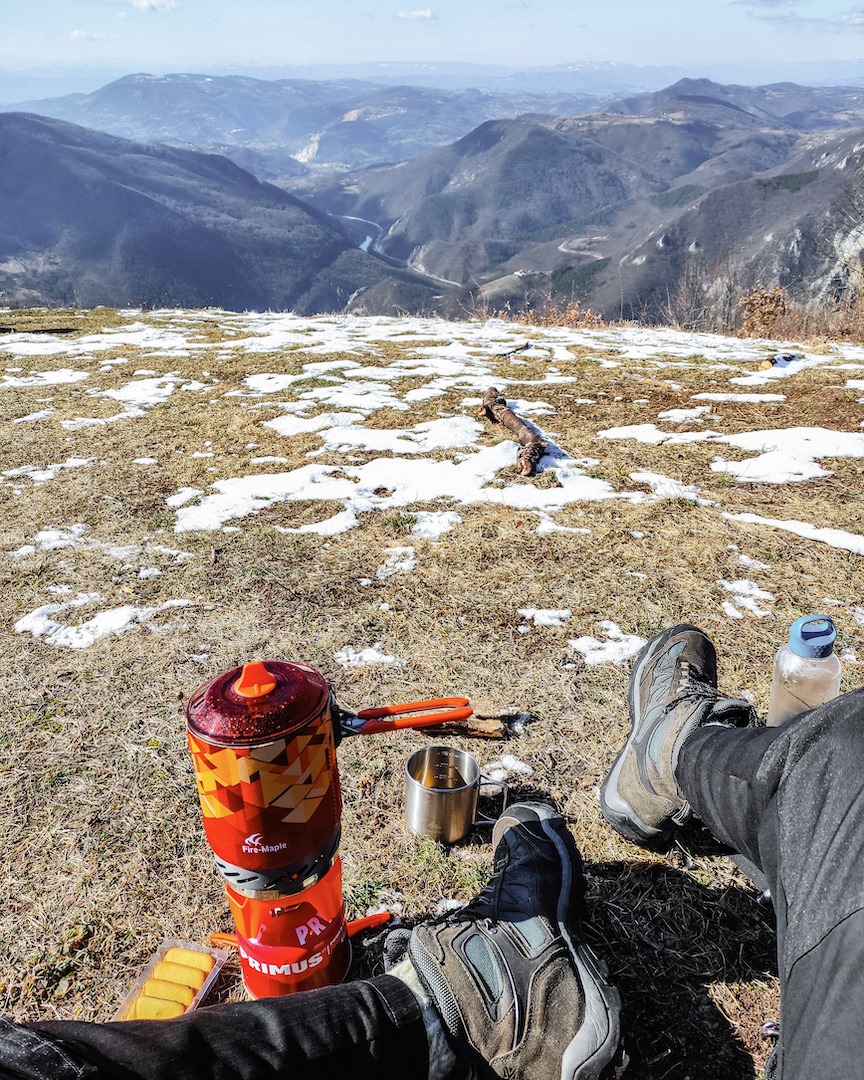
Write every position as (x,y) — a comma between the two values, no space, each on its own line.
(293,775)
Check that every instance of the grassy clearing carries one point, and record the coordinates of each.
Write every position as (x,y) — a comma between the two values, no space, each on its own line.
(103,850)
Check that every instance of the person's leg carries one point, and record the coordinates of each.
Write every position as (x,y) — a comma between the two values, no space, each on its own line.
(673,692)
(790,799)
(719,778)
(369,1030)
(505,986)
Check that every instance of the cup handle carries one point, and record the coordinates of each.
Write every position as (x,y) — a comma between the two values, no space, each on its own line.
(481,819)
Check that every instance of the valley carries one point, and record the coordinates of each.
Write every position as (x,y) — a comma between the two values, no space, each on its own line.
(655,206)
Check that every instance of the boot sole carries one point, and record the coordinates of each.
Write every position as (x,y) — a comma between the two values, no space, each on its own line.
(614,807)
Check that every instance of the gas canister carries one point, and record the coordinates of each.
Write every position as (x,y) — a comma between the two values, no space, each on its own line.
(297,942)
(263,746)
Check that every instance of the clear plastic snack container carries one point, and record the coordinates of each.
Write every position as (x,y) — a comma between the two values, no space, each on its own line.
(125,1010)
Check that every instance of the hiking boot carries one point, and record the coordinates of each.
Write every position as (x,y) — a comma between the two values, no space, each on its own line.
(673,691)
(510,975)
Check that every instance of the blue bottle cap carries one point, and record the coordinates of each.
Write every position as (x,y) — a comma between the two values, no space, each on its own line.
(812,636)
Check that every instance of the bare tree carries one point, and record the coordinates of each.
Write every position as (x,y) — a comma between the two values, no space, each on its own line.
(840,241)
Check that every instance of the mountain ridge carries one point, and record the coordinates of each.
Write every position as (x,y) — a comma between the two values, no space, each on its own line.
(87,218)
(657,200)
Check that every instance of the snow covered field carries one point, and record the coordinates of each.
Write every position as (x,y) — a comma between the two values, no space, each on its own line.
(447,460)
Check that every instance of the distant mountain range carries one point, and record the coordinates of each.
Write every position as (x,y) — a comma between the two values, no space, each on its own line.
(649,206)
(625,209)
(581,76)
(19,83)
(280,129)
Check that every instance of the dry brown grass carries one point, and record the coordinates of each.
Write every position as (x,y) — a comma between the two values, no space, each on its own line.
(572,313)
(760,312)
(103,850)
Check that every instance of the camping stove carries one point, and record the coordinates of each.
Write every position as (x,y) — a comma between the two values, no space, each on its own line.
(263,741)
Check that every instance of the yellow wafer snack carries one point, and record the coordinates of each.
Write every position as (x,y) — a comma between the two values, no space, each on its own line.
(152,1008)
(179,973)
(161,988)
(191,958)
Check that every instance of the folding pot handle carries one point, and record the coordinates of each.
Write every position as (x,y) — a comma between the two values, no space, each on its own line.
(450,709)
(481,819)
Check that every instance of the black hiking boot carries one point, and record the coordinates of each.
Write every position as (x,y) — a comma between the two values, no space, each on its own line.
(673,691)
(510,975)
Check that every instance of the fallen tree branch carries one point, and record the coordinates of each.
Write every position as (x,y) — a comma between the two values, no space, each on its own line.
(512,352)
(496,409)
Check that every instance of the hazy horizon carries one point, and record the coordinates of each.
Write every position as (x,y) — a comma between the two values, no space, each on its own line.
(51,40)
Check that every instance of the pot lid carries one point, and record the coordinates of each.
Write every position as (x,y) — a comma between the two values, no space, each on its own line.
(258,702)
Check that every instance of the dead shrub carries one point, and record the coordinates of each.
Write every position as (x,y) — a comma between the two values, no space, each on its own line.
(762,309)
(572,314)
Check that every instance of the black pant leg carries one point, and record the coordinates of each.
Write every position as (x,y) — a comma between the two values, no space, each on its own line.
(371,1030)
(719,774)
(791,799)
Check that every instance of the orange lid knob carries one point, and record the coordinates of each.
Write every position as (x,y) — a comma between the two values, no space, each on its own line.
(255,681)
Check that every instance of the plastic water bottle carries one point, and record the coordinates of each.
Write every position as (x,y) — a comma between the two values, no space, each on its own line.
(806,671)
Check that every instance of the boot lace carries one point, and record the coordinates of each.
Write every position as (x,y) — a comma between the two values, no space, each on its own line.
(693,685)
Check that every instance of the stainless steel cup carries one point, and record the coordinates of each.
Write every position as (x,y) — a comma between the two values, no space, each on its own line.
(441,789)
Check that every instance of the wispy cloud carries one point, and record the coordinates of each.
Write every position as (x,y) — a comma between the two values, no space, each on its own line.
(765,4)
(785,13)
(769,10)
(853,19)
(86,35)
(154,5)
(420,15)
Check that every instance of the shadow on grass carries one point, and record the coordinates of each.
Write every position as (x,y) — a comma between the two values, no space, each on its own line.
(667,939)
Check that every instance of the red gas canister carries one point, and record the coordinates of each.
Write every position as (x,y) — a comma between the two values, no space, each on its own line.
(263,746)
(293,943)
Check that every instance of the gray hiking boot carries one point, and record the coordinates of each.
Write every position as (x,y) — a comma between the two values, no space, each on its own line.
(510,975)
(673,691)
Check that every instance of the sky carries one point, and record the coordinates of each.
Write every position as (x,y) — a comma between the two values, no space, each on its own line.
(162,36)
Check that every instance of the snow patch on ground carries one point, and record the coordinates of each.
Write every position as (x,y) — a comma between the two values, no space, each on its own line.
(743,399)
(505,767)
(786,455)
(31,417)
(545,616)
(43,476)
(183,496)
(135,335)
(748,561)
(43,378)
(836,538)
(57,539)
(400,560)
(42,622)
(349,657)
(615,649)
(684,416)
(468,480)
(432,524)
(665,488)
(746,594)
(342,522)
(781,370)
